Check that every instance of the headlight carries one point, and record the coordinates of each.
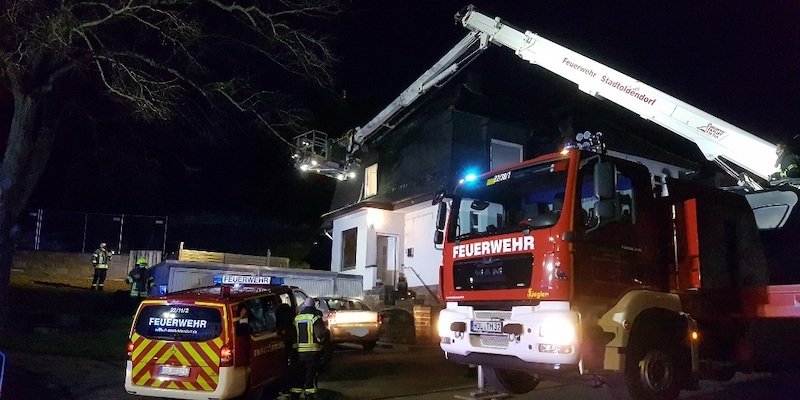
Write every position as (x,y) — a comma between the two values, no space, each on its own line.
(443,327)
(557,331)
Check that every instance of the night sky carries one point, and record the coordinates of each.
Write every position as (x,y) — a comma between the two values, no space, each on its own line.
(739,62)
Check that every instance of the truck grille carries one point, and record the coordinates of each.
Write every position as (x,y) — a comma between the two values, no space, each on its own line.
(501,315)
(493,341)
(493,273)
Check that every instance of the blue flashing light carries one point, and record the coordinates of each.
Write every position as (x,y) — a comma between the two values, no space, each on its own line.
(470,177)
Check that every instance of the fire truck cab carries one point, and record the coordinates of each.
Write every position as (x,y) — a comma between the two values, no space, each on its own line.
(572,265)
(218,342)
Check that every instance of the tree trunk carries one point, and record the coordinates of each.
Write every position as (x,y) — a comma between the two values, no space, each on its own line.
(6,261)
(26,154)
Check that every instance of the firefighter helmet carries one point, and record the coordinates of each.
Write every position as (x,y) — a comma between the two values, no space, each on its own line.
(141,261)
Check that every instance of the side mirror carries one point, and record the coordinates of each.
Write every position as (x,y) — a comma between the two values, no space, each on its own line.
(438,237)
(441,216)
(606,209)
(438,197)
(441,220)
(605,181)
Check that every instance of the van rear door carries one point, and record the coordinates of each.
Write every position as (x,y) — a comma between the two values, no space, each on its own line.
(177,346)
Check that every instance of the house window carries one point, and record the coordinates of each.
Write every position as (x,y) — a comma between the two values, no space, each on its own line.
(371,180)
(505,153)
(349,239)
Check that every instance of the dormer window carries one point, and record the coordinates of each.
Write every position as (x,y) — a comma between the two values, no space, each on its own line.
(371,180)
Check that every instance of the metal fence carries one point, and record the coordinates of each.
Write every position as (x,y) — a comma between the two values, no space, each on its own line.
(82,232)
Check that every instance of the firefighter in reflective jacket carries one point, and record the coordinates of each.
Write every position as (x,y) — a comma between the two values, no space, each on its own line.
(787,161)
(311,333)
(100,259)
(140,280)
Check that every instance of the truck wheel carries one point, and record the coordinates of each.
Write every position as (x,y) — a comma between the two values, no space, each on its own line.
(653,371)
(368,346)
(509,380)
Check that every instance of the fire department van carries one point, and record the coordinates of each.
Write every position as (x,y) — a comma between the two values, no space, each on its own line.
(216,342)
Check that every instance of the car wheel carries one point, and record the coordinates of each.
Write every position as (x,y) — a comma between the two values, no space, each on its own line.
(368,346)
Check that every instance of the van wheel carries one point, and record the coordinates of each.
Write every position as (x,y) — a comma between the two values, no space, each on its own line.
(257,393)
(368,346)
(509,380)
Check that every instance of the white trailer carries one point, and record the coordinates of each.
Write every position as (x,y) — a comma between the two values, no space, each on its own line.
(172,276)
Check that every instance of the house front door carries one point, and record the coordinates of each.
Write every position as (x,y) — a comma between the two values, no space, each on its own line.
(387,259)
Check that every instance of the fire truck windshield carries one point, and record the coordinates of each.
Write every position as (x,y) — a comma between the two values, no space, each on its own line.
(510,201)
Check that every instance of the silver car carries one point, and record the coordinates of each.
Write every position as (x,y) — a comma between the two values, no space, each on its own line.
(350,321)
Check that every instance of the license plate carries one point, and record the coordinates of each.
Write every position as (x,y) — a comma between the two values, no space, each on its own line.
(486,326)
(173,371)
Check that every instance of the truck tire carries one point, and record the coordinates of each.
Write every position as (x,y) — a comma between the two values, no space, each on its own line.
(509,380)
(653,369)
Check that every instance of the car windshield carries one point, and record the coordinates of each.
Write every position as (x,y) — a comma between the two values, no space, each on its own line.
(344,304)
(183,323)
(525,198)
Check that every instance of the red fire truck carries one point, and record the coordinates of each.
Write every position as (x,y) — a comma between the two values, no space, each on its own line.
(581,264)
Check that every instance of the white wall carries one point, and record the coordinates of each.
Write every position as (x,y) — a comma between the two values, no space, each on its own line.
(420,224)
(386,223)
(357,220)
(370,222)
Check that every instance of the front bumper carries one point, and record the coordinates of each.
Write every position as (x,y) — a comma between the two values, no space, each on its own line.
(511,362)
(542,337)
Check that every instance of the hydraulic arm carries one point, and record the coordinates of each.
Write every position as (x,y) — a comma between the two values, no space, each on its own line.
(718,140)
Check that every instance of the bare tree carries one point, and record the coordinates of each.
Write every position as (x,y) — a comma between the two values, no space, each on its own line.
(156,60)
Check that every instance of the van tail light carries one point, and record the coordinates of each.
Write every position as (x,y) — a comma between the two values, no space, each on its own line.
(225,356)
(130,350)
(380,318)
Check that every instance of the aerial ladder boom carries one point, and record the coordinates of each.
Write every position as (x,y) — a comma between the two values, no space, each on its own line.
(453,61)
(718,140)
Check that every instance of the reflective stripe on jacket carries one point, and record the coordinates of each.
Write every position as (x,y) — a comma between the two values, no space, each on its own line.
(140,285)
(306,340)
(788,164)
(100,258)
